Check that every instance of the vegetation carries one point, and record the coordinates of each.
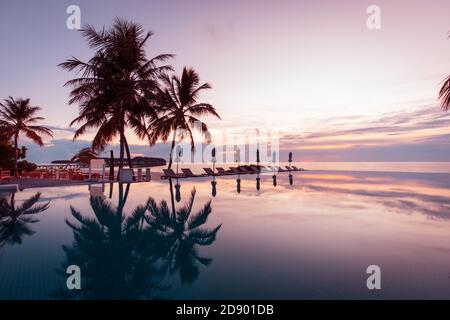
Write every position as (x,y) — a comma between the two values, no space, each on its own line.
(116,85)
(444,94)
(83,157)
(19,116)
(178,108)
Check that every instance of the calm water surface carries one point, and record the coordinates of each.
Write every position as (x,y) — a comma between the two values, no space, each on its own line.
(312,239)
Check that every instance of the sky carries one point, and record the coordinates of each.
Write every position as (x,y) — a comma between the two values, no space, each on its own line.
(311,71)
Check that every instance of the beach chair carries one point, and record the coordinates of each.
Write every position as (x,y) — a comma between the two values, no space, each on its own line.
(169,174)
(249,169)
(298,169)
(210,172)
(236,170)
(4,175)
(279,169)
(188,173)
(265,169)
(224,172)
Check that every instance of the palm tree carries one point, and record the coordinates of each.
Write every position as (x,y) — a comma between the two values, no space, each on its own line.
(181,232)
(179,109)
(115,85)
(19,116)
(15,220)
(444,94)
(84,156)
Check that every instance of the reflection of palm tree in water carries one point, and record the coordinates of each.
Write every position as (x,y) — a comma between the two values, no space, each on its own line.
(127,258)
(181,232)
(15,219)
(112,252)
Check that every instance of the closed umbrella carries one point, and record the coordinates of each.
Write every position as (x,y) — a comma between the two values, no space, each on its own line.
(213,158)
(274,180)
(258,183)
(291,180)
(237,155)
(238,185)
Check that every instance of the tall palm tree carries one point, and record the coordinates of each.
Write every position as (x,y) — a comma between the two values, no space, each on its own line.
(180,233)
(116,84)
(15,219)
(179,108)
(19,116)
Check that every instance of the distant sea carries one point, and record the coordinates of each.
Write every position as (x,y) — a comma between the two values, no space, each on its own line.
(425,167)
(418,167)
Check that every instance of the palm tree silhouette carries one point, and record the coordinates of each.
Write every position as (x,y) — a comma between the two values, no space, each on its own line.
(178,108)
(180,234)
(116,85)
(15,219)
(19,116)
(84,156)
(113,252)
(444,94)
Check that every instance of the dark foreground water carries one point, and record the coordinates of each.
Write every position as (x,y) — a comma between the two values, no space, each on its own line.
(312,239)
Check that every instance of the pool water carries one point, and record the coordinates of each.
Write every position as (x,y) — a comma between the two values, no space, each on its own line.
(311,236)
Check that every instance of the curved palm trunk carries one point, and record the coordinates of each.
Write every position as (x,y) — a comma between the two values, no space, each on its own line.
(122,138)
(171,150)
(127,149)
(172,200)
(16,137)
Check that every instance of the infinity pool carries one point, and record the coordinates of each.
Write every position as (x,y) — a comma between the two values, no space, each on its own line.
(311,236)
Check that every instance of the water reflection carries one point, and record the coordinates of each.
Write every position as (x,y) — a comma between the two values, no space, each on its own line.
(16,218)
(129,256)
(180,233)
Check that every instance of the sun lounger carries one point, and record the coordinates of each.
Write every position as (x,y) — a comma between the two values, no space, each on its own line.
(190,174)
(169,173)
(298,169)
(252,169)
(279,169)
(236,170)
(224,172)
(245,170)
(210,172)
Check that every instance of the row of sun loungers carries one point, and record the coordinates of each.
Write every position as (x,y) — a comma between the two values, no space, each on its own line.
(252,169)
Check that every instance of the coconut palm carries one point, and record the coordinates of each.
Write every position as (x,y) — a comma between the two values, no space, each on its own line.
(15,219)
(444,94)
(115,85)
(179,108)
(84,156)
(180,234)
(19,116)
